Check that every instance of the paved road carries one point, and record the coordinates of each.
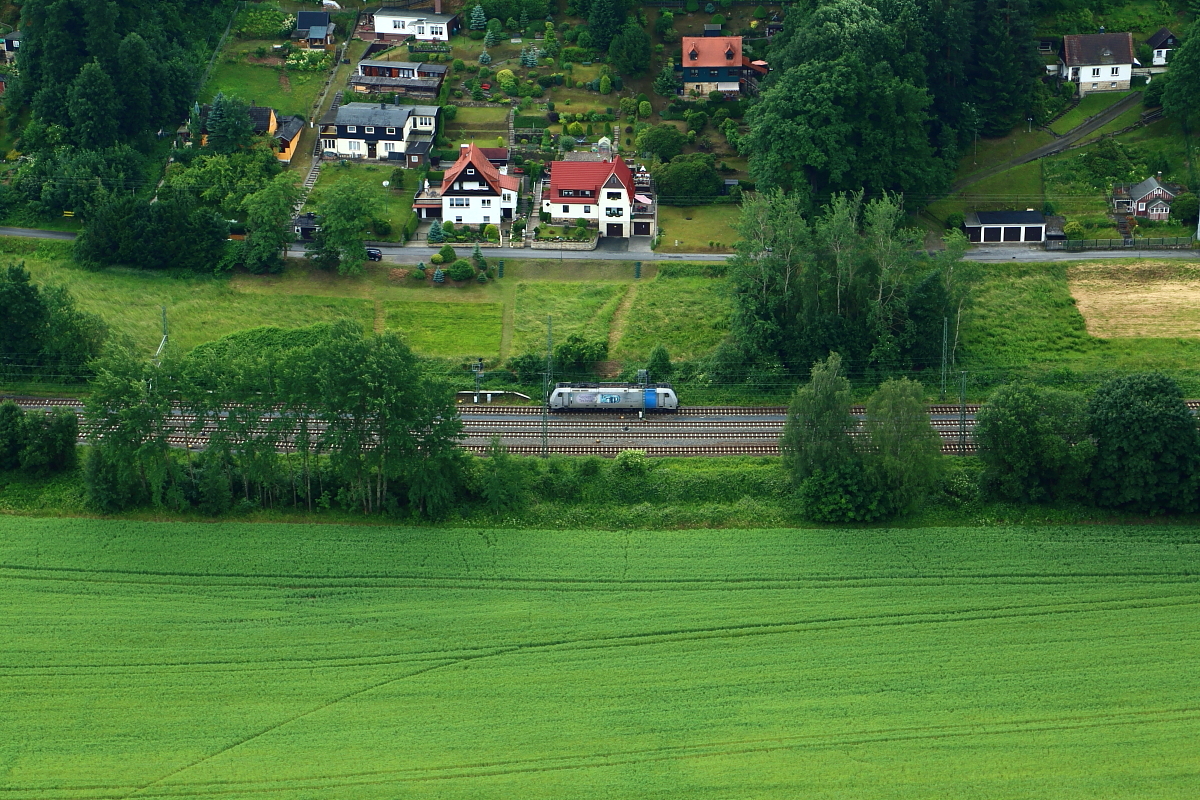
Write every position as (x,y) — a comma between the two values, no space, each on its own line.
(35,233)
(397,254)
(1058,145)
(999,254)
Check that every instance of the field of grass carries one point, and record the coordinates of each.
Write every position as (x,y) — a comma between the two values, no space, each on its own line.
(1016,188)
(690,229)
(448,329)
(585,309)
(393,203)
(479,125)
(160,660)
(688,316)
(993,152)
(1024,321)
(1088,107)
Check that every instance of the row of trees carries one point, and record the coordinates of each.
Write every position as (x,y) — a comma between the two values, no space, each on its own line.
(1133,445)
(852,280)
(882,96)
(42,333)
(299,418)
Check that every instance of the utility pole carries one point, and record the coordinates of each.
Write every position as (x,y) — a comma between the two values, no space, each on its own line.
(962,410)
(477,368)
(546,387)
(945,352)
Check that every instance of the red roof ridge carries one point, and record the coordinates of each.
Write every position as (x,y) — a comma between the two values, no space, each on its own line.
(475,157)
(711,51)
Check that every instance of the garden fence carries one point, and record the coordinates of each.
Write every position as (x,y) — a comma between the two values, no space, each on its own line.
(1148,243)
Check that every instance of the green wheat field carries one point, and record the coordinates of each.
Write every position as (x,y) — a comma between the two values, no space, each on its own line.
(145,660)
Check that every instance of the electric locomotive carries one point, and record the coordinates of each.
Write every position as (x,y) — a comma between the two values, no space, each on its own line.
(613,397)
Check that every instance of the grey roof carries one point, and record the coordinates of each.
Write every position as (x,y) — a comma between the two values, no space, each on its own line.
(311,19)
(317,32)
(382,114)
(260,118)
(289,127)
(1140,190)
(382,80)
(1097,48)
(422,66)
(415,13)
(17,35)
(1160,36)
(975,218)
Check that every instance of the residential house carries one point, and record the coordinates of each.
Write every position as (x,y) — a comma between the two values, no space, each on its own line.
(305,226)
(1150,199)
(1098,62)
(398,24)
(603,191)
(472,192)
(422,79)
(497,157)
(380,131)
(264,121)
(1005,227)
(287,137)
(1161,44)
(10,46)
(716,63)
(314,30)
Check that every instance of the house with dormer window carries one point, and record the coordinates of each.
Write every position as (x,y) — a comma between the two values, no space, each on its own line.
(602,191)
(716,63)
(1098,62)
(380,131)
(1150,199)
(473,192)
(422,79)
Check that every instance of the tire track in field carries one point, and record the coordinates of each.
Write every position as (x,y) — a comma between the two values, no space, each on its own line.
(490,582)
(605,642)
(740,747)
(891,619)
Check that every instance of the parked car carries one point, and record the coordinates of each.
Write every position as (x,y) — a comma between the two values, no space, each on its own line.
(374,254)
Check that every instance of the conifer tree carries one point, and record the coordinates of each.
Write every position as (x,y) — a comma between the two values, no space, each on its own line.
(478,18)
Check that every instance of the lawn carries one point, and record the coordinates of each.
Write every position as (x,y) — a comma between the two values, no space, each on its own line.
(479,125)
(293,93)
(1089,106)
(448,329)
(688,316)
(154,660)
(393,203)
(585,309)
(993,152)
(692,229)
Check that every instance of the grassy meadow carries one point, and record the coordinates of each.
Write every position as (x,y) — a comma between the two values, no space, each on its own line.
(691,229)
(157,660)
(393,204)
(1088,107)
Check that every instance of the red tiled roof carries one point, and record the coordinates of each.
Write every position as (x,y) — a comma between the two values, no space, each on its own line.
(476,157)
(711,51)
(576,175)
(1097,48)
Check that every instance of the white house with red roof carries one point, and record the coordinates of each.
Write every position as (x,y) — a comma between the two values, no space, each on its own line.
(594,190)
(473,192)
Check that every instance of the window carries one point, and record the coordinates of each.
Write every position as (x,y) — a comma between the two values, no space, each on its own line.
(436,30)
(369,129)
(1095,85)
(694,73)
(1096,72)
(389,147)
(585,192)
(329,144)
(351,129)
(391,131)
(614,195)
(566,209)
(460,202)
(567,192)
(1113,85)
(420,30)
(1116,71)
(587,209)
(1141,206)
(398,24)
(486,218)
(425,122)
(614,212)
(458,220)
(470,171)
(354,145)
(712,73)
(507,197)
(486,202)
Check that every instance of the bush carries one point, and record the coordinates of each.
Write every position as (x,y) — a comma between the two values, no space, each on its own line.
(439,275)
(692,6)
(447,252)
(1185,208)
(718,19)
(955,220)
(461,270)
(436,258)
(1073,229)
(381,227)
(492,233)
(843,494)
(1152,97)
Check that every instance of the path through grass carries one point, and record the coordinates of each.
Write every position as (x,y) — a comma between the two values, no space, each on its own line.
(1088,107)
(246,661)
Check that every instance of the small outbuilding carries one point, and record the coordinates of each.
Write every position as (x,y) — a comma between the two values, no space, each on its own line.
(1005,227)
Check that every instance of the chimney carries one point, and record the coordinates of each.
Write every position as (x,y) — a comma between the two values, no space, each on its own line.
(437,6)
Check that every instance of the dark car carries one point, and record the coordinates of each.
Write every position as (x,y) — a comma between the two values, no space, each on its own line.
(374,254)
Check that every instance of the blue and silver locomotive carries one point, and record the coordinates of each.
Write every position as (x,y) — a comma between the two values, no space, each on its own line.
(613,397)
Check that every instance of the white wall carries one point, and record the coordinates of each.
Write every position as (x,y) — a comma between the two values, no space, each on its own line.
(475,210)
(412,26)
